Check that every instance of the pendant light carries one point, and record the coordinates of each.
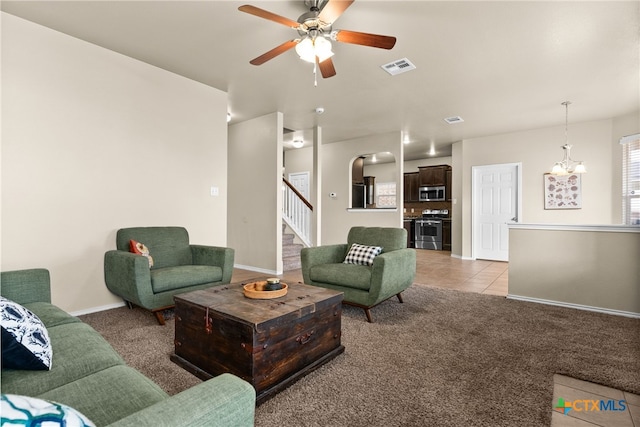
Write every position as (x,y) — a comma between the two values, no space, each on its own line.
(567,165)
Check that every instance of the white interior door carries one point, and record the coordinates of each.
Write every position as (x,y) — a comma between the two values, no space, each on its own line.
(496,194)
(300,181)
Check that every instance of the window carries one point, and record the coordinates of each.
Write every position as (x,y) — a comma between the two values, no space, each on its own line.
(386,195)
(631,179)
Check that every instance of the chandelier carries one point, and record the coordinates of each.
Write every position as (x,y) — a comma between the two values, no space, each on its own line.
(567,165)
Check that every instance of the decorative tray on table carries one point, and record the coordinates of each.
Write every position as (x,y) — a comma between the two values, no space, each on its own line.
(258,290)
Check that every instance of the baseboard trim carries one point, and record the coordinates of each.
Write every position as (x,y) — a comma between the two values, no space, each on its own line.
(465,258)
(576,306)
(97,309)
(257,269)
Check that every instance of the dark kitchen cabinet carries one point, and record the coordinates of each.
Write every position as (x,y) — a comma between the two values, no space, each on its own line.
(409,225)
(446,235)
(411,187)
(432,176)
(447,190)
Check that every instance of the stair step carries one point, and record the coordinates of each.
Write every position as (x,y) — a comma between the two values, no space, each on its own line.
(291,263)
(291,250)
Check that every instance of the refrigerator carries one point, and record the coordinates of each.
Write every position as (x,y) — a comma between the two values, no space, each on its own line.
(358,199)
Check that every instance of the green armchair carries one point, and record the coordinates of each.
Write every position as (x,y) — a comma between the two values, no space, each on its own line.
(363,286)
(178,267)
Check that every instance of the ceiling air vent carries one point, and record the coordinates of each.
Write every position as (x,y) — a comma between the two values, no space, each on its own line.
(453,120)
(397,67)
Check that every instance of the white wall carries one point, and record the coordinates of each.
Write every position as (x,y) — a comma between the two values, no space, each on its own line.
(537,150)
(382,172)
(594,142)
(299,160)
(255,193)
(336,163)
(457,178)
(93,141)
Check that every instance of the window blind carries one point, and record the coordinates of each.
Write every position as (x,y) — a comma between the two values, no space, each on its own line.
(631,179)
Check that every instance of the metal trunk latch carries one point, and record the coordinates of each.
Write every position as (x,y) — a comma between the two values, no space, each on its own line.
(303,339)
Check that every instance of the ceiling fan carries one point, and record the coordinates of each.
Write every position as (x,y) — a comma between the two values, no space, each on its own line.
(315,30)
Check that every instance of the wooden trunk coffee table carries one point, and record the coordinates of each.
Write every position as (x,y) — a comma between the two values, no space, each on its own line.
(268,342)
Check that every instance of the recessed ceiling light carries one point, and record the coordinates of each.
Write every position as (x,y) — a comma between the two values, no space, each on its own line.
(453,120)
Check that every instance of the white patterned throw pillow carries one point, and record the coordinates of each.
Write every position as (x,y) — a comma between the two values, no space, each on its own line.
(362,254)
(25,340)
(29,411)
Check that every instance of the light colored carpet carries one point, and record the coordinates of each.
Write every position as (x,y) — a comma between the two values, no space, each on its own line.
(443,358)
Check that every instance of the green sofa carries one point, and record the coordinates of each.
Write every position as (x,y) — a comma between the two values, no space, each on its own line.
(178,267)
(88,375)
(363,286)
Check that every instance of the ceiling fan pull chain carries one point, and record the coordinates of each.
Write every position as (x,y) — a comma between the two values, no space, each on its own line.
(315,74)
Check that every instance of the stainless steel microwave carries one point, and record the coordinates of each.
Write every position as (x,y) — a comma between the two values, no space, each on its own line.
(432,194)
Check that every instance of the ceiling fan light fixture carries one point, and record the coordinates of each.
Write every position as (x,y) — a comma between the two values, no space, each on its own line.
(305,50)
(322,48)
(308,48)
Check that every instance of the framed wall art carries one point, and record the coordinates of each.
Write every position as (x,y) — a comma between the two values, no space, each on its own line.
(562,191)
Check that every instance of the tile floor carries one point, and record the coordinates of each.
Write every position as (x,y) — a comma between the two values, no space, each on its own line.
(435,268)
(585,398)
(440,269)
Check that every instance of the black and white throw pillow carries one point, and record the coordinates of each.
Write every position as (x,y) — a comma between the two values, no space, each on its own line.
(362,254)
(25,340)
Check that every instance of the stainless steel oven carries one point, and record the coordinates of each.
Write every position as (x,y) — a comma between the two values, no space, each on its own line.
(428,229)
(428,233)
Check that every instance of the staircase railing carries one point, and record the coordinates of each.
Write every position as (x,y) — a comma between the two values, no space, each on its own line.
(296,212)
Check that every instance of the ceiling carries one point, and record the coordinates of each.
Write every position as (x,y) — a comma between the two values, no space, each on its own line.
(502,66)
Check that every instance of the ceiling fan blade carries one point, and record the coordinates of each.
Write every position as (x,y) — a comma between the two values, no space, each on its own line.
(326,68)
(333,9)
(261,13)
(273,52)
(366,39)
